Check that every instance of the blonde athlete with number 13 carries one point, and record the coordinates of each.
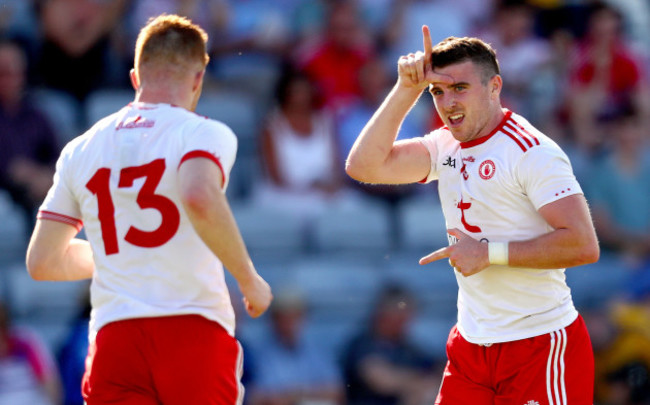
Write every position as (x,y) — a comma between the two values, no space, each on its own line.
(516,218)
(148,184)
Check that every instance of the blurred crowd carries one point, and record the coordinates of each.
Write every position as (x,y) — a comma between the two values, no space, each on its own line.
(313,72)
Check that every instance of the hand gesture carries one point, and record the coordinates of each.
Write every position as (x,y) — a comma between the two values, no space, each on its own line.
(257,296)
(468,256)
(414,69)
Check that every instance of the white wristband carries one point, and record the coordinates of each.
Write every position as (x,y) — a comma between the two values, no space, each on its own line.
(498,253)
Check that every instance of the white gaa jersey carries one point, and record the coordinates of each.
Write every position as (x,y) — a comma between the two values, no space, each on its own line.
(119,181)
(491,189)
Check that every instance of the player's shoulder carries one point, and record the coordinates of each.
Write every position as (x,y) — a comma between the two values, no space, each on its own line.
(523,138)
(92,133)
(441,137)
(206,126)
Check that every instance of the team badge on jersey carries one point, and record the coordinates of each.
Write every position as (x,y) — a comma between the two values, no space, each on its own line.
(486,169)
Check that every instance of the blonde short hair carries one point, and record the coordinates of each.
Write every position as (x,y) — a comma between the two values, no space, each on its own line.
(171,41)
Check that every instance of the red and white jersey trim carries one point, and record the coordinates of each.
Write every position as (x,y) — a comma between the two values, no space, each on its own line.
(524,139)
(207,155)
(53,216)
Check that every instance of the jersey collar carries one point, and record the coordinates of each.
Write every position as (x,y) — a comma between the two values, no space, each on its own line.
(478,141)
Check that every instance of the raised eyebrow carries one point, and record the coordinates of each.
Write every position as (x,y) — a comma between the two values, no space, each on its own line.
(433,87)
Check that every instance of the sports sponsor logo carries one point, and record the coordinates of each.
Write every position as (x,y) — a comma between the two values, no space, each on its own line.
(486,169)
(450,162)
(137,122)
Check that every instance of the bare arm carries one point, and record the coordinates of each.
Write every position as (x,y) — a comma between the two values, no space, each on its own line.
(54,254)
(376,157)
(206,205)
(572,242)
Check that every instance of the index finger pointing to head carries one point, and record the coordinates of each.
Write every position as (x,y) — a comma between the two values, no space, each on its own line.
(426,41)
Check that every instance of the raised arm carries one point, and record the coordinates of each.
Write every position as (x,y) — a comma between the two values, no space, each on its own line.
(572,242)
(376,157)
(200,185)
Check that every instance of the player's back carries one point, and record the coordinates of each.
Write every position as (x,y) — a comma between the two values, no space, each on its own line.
(123,173)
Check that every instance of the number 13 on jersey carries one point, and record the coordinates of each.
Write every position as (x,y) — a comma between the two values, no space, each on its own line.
(99,185)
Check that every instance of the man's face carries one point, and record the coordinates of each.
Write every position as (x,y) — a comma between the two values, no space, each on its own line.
(463,102)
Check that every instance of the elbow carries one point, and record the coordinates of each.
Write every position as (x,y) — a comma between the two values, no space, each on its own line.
(352,170)
(37,266)
(592,253)
(198,201)
(358,172)
(589,253)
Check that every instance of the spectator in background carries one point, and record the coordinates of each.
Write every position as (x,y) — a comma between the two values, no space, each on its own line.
(334,61)
(381,366)
(253,41)
(28,374)
(606,78)
(452,18)
(621,336)
(72,357)
(298,151)
(620,191)
(29,146)
(293,369)
(74,54)
(17,20)
(210,14)
(521,54)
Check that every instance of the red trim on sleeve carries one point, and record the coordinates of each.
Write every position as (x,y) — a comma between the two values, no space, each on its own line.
(207,155)
(55,216)
(484,138)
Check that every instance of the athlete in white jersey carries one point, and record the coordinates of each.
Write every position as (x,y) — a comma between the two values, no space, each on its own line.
(148,185)
(516,218)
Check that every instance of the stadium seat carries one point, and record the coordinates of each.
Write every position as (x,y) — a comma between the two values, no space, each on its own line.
(13,232)
(434,285)
(356,228)
(430,334)
(46,306)
(101,103)
(235,109)
(423,225)
(268,232)
(593,285)
(337,286)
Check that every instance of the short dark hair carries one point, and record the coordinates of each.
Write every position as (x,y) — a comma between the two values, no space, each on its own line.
(454,50)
